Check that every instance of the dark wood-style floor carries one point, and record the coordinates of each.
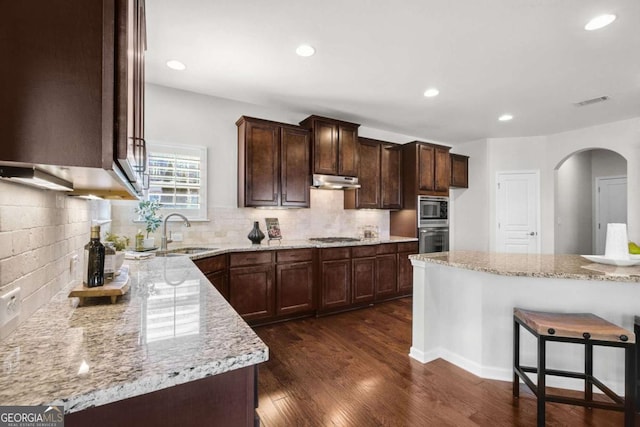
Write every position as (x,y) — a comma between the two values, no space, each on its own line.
(353,369)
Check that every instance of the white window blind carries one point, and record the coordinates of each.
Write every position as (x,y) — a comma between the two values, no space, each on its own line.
(177,178)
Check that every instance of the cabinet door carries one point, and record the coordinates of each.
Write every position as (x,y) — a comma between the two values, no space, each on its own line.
(335,286)
(405,273)
(364,279)
(295,165)
(220,281)
(251,291)
(262,159)
(426,166)
(386,266)
(459,171)
(294,288)
(391,177)
(325,148)
(348,151)
(368,195)
(442,169)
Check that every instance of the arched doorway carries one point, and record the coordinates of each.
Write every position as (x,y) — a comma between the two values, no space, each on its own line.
(582,209)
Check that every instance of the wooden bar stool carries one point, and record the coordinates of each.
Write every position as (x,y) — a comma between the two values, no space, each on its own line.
(580,328)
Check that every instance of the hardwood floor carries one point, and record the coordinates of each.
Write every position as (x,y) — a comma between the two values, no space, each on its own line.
(353,369)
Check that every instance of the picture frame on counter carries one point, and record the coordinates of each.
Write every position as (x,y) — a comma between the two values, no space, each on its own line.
(273,229)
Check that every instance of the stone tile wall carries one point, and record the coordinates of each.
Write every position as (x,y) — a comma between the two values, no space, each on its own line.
(40,233)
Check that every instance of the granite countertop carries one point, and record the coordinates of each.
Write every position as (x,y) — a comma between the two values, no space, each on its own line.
(282,244)
(536,265)
(171,328)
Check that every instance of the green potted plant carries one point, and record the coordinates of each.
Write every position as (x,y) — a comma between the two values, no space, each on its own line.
(120,243)
(147,211)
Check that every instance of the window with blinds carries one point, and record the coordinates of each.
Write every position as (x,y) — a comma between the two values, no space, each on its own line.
(177,178)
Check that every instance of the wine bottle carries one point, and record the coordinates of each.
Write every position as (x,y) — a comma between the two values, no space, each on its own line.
(94,260)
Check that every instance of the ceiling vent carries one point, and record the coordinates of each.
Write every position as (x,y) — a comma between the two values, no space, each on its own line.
(591,101)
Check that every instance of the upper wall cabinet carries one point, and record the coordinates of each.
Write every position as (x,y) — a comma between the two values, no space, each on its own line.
(334,145)
(378,175)
(426,171)
(73,94)
(273,164)
(459,171)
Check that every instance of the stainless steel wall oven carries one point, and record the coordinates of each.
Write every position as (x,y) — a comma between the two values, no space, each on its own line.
(433,224)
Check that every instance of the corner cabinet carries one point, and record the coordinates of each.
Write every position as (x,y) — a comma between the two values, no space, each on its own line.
(459,171)
(334,145)
(74,93)
(273,164)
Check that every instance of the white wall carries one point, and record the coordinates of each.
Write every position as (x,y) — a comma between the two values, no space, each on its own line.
(574,194)
(546,153)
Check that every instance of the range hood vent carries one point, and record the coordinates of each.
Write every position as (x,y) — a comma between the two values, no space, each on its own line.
(334,182)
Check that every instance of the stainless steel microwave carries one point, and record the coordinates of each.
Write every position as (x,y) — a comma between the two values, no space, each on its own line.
(433,211)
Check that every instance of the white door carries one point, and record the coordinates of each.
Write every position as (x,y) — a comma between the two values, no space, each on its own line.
(518,212)
(611,206)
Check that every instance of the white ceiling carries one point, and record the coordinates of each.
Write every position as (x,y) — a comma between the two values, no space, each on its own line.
(375,58)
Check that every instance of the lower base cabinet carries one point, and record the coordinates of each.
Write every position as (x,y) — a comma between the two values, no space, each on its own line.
(231,396)
(266,286)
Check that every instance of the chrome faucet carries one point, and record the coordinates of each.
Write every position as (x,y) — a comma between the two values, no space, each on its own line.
(163,240)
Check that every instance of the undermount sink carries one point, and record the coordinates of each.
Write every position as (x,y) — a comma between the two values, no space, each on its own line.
(183,251)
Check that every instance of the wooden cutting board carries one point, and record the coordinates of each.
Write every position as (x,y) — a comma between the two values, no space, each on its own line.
(113,289)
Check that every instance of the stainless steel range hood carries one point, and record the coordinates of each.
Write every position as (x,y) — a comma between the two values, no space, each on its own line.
(334,182)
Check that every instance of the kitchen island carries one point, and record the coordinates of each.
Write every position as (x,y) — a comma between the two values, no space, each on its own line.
(463,309)
(170,350)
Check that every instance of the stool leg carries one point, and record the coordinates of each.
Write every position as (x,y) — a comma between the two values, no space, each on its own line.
(541,386)
(588,371)
(629,385)
(516,358)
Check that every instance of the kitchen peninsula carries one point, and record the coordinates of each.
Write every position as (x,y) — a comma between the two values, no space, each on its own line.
(463,309)
(170,352)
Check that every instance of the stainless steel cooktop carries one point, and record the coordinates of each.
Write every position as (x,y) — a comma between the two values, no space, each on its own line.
(334,239)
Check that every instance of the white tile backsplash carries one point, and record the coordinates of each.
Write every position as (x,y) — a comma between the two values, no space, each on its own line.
(40,230)
(325,217)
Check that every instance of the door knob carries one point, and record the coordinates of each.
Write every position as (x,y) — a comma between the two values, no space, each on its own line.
(533,233)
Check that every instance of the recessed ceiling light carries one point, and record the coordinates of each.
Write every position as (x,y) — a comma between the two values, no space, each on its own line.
(176,65)
(430,93)
(505,117)
(305,50)
(599,22)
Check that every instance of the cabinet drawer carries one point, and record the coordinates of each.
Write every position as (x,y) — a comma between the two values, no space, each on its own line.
(294,255)
(212,264)
(364,251)
(408,247)
(335,253)
(250,258)
(387,248)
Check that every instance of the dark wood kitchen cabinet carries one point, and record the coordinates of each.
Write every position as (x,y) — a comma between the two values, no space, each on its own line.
(74,93)
(216,270)
(363,265)
(273,164)
(334,279)
(294,282)
(379,175)
(426,171)
(459,171)
(334,146)
(386,269)
(405,269)
(391,176)
(251,285)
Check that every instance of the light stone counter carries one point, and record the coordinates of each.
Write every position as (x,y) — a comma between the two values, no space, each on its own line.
(463,305)
(281,245)
(172,327)
(535,265)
